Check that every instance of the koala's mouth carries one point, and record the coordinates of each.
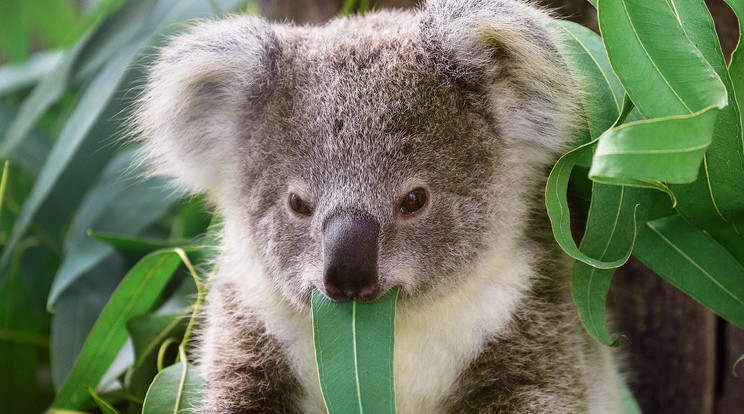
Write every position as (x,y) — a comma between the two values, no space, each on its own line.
(366,294)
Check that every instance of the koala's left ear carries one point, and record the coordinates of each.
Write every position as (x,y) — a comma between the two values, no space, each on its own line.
(195,113)
(505,49)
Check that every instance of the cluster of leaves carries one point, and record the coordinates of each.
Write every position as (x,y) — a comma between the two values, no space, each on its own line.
(664,151)
(78,219)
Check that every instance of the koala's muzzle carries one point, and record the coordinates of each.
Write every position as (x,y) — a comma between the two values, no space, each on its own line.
(350,262)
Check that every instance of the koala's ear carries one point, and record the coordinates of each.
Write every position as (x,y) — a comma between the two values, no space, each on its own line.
(505,49)
(195,112)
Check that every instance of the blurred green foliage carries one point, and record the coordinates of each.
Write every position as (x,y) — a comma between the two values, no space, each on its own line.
(68,80)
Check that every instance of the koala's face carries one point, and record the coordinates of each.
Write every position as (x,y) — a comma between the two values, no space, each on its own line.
(373,152)
(369,173)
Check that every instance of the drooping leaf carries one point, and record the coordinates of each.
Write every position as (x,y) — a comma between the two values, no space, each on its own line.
(659,66)
(79,308)
(695,263)
(118,203)
(615,215)
(354,346)
(672,85)
(605,105)
(714,202)
(654,150)
(91,105)
(177,389)
(135,295)
(558,212)
(603,92)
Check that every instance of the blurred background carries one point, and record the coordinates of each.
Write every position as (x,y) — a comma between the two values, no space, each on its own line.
(69,69)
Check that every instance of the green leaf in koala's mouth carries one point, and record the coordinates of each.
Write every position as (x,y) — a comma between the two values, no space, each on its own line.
(354,351)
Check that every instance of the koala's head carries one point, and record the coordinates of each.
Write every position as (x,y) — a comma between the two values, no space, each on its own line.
(394,149)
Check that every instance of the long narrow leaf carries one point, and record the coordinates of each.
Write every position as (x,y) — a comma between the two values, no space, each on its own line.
(587,58)
(86,113)
(615,214)
(177,389)
(714,202)
(667,149)
(135,295)
(673,86)
(15,76)
(661,69)
(696,264)
(354,346)
(118,203)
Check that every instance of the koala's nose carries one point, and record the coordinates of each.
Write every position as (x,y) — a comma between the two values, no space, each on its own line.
(350,262)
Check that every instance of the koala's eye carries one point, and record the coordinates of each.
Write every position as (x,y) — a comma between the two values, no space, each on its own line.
(299,205)
(413,201)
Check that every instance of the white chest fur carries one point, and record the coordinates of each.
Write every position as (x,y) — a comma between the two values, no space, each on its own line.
(434,342)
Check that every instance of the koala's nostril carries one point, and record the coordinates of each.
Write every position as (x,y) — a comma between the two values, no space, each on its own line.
(367,294)
(335,293)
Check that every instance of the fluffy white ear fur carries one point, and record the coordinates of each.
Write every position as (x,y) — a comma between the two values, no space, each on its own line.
(509,48)
(203,91)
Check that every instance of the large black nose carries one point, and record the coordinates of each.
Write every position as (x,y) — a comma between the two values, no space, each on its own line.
(350,262)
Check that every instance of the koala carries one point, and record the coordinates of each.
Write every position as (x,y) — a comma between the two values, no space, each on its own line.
(395,149)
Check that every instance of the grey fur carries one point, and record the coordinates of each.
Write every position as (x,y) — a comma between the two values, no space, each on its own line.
(468,99)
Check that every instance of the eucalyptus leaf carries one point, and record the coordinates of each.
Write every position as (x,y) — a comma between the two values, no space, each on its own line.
(615,215)
(695,263)
(92,103)
(120,202)
(603,97)
(354,346)
(137,292)
(43,96)
(585,54)
(76,312)
(714,202)
(176,389)
(148,333)
(15,76)
(671,84)
(559,214)
(659,66)
(667,149)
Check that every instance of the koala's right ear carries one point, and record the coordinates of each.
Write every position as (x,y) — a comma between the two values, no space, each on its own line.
(195,113)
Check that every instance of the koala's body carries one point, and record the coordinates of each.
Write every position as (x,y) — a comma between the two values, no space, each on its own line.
(403,148)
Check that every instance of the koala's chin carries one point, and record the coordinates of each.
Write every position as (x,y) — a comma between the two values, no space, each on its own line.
(401,148)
